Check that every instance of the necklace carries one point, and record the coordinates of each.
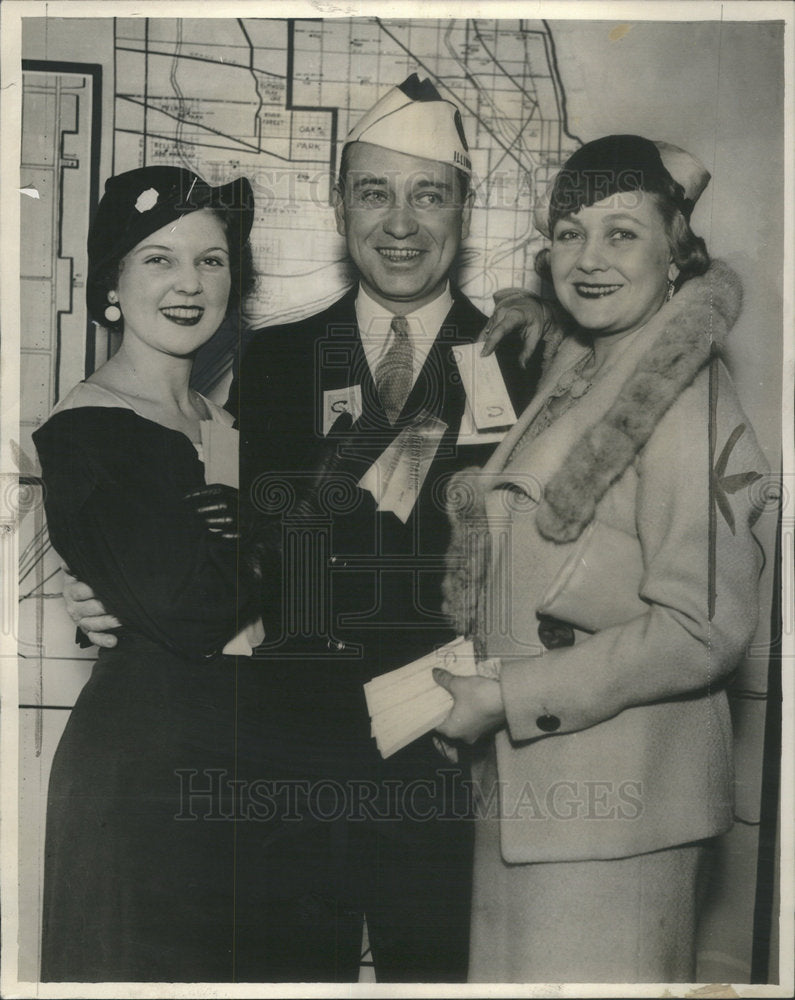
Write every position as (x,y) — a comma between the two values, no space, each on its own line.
(572,385)
(574,382)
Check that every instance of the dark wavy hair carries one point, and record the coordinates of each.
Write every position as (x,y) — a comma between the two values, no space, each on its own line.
(241,267)
(689,251)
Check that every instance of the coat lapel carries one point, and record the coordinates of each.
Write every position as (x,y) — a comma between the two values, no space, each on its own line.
(342,363)
(340,360)
(569,354)
(542,457)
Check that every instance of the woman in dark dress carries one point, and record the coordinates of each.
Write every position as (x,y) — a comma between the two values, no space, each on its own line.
(141,834)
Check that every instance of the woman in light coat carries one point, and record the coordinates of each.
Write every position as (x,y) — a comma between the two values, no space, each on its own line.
(604,564)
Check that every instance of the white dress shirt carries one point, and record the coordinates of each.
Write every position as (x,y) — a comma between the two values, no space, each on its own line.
(374,323)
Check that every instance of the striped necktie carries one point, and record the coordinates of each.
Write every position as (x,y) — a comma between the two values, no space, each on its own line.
(394,373)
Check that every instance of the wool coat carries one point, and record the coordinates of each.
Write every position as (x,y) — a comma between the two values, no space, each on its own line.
(630,517)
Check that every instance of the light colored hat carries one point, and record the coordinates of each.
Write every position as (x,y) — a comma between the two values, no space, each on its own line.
(415,119)
(622,163)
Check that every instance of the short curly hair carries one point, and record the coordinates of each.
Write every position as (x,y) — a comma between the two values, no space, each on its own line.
(241,265)
(689,251)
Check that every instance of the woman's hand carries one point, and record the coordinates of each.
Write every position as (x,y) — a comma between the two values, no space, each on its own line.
(518,311)
(232,517)
(478,708)
(218,507)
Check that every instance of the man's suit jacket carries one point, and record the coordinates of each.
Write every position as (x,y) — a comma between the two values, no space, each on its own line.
(361,594)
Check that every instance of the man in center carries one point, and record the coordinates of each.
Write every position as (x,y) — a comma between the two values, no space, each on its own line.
(386,840)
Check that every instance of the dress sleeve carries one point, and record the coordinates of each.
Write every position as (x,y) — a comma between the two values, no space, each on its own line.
(271,401)
(113,487)
(677,648)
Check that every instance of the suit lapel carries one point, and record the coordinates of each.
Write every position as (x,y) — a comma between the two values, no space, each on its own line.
(438,388)
(340,360)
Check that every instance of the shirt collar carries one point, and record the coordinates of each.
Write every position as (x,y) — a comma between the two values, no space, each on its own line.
(424,324)
(427,320)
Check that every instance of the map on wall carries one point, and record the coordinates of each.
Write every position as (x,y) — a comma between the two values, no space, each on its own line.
(274,100)
(58,158)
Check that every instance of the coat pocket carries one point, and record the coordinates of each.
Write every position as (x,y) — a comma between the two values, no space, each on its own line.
(598,585)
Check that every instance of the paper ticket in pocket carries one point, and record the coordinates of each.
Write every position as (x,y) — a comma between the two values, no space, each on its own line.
(469,434)
(220,449)
(482,379)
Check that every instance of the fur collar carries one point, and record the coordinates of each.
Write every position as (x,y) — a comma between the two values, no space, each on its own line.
(685,333)
(686,330)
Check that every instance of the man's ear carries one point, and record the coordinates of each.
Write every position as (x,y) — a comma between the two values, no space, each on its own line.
(466,214)
(338,203)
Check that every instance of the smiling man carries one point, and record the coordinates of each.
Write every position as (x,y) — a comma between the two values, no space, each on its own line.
(386,839)
(403,218)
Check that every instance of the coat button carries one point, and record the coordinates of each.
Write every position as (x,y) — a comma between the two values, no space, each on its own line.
(553,633)
(548,723)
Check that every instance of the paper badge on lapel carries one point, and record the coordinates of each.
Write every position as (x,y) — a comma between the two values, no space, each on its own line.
(396,477)
(339,401)
(489,411)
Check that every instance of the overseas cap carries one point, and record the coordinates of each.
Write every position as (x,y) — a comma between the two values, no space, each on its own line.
(415,119)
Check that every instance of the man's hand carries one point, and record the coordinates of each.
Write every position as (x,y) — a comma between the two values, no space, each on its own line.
(518,311)
(478,707)
(89,613)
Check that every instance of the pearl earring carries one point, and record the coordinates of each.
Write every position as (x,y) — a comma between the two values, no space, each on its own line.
(112,312)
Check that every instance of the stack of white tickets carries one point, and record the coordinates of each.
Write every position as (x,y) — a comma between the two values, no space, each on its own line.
(406,703)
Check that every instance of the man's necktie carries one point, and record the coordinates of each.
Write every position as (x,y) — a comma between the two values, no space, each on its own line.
(394,373)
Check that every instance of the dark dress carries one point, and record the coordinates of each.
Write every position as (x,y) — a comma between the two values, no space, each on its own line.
(141,836)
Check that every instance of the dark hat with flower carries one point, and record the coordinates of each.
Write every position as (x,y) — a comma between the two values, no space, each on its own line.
(139,202)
